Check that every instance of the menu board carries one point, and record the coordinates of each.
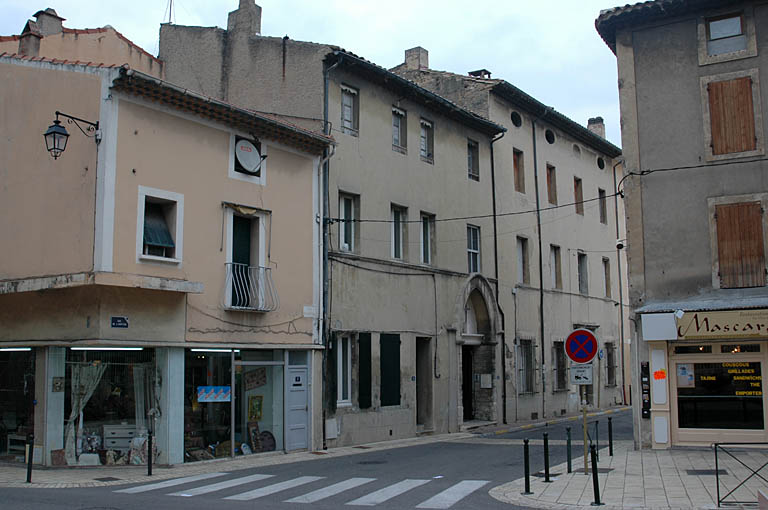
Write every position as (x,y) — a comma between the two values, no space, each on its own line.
(732,379)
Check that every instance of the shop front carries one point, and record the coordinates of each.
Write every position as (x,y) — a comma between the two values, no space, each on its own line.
(17,401)
(240,402)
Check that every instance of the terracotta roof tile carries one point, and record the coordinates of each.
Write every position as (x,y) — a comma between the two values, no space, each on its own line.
(59,61)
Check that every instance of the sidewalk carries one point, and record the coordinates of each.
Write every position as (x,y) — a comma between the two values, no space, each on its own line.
(648,479)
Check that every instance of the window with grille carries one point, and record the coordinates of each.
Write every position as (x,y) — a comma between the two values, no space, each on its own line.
(740,248)
(526,366)
(560,366)
(610,364)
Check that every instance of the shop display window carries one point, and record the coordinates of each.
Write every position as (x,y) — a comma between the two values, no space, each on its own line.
(207,408)
(725,395)
(693,349)
(111,398)
(259,408)
(17,395)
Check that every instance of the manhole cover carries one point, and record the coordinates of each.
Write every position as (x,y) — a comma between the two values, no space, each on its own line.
(107,479)
(712,472)
(373,462)
(540,474)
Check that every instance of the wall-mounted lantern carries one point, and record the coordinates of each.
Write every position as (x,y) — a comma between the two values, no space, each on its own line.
(56,135)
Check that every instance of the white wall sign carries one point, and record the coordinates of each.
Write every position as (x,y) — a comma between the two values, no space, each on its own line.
(581,374)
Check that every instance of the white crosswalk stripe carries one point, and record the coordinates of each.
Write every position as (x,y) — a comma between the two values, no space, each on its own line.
(387,493)
(331,490)
(277,487)
(453,494)
(170,483)
(205,489)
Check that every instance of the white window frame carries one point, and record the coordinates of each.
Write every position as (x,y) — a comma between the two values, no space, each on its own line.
(261,252)
(178,238)
(427,236)
(343,342)
(350,243)
(402,134)
(398,233)
(747,28)
(353,128)
(473,252)
(261,179)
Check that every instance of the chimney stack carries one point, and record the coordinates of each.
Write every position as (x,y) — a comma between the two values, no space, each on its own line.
(246,19)
(597,126)
(417,58)
(48,22)
(29,42)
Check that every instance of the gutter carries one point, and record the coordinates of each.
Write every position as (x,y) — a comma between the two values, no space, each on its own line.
(496,275)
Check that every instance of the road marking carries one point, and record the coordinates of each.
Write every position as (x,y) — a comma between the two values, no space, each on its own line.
(170,483)
(453,495)
(382,495)
(331,490)
(205,489)
(277,487)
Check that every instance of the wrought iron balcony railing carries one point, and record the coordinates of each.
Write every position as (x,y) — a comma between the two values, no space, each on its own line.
(250,288)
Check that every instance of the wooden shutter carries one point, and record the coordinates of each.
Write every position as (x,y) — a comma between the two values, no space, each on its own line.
(390,369)
(731,116)
(740,245)
(364,371)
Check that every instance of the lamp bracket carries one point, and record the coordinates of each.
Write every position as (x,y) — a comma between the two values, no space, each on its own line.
(91,127)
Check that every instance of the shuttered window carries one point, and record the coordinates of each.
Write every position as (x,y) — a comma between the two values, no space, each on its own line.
(740,245)
(364,371)
(389,346)
(731,116)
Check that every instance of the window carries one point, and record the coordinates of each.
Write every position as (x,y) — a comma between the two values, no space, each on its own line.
(555,267)
(523,274)
(343,371)
(583,276)
(364,370)
(526,366)
(740,245)
(603,206)
(399,130)
(517,161)
(560,366)
(389,346)
(427,237)
(731,113)
(349,207)
(248,282)
(159,232)
(473,249)
(551,184)
(725,34)
(350,110)
(607,276)
(578,195)
(399,231)
(549,135)
(610,364)
(248,159)
(426,141)
(473,163)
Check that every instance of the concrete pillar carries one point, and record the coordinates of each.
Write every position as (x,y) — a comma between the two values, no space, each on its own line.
(51,406)
(169,426)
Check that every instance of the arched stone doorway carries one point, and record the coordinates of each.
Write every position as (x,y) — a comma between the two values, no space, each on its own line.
(477,356)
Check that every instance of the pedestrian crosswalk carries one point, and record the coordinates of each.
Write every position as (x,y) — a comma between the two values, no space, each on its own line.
(376,492)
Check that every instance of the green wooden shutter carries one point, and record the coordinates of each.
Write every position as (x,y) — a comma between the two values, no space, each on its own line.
(364,371)
(390,369)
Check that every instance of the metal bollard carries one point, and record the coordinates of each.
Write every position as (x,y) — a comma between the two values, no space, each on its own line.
(30,454)
(597,438)
(527,464)
(149,454)
(595,482)
(546,458)
(568,447)
(610,436)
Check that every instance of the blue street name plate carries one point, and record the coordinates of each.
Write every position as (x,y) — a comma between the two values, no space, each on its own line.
(120,322)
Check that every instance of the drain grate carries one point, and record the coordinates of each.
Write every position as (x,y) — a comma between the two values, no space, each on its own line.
(711,472)
(369,462)
(107,479)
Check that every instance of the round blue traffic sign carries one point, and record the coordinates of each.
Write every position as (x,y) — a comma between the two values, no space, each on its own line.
(581,346)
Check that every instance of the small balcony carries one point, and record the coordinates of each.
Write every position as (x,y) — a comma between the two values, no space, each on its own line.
(250,289)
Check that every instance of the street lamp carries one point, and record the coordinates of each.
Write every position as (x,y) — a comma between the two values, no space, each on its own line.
(56,135)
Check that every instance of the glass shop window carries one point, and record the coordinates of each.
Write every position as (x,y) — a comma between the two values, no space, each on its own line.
(258,408)
(724,395)
(693,349)
(207,407)
(17,409)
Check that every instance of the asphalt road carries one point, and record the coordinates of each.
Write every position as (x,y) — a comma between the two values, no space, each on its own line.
(450,474)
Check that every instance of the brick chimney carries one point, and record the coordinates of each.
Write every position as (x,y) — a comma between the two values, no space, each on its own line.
(246,19)
(417,58)
(48,22)
(597,126)
(29,42)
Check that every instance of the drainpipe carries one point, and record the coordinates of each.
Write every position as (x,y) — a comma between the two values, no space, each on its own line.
(496,275)
(326,215)
(621,290)
(541,269)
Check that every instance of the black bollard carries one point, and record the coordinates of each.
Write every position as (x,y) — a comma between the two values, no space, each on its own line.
(149,454)
(595,482)
(527,464)
(610,437)
(597,438)
(568,446)
(546,458)
(30,454)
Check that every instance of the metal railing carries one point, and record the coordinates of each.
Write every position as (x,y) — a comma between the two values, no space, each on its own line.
(753,472)
(250,288)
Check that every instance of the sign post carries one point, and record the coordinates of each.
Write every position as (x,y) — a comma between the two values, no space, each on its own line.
(581,348)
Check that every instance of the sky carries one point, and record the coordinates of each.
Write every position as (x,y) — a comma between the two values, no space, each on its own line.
(550,49)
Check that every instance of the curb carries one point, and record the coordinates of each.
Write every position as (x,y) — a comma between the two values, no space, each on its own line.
(544,423)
